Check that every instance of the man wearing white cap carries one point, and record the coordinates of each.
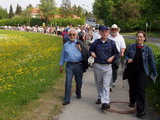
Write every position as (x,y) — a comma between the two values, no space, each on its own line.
(121,46)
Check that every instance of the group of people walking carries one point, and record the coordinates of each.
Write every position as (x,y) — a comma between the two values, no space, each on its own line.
(107,48)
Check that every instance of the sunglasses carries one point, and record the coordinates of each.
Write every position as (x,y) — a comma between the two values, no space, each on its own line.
(71,34)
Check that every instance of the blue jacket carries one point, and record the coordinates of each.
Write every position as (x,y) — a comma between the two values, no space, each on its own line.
(104,51)
(147,56)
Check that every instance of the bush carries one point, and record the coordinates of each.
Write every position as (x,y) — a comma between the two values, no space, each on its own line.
(36,21)
(67,21)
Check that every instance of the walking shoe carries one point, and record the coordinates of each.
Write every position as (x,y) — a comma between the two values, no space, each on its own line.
(113,84)
(111,89)
(105,106)
(79,97)
(65,103)
(131,105)
(98,101)
(140,114)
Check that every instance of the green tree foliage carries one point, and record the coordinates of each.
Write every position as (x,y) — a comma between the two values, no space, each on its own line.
(18,10)
(3,13)
(27,14)
(47,7)
(67,21)
(128,14)
(29,6)
(66,9)
(11,14)
(79,11)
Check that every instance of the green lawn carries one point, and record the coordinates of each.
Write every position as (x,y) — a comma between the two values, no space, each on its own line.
(29,65)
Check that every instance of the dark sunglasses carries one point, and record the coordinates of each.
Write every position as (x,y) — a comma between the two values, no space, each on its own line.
(71,34)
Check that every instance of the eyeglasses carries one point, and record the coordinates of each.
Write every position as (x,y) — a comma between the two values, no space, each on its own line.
(140,37)
(71,34)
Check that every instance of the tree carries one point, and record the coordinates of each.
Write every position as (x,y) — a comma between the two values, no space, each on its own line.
(66,9)
(29,6)
(27,14)
(11,14)
(101,9)
(47,8)
(3,13)
(18,10)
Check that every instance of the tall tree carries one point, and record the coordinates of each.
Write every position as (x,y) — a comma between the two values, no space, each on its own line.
(3,13)
(29,6)
(11,14)
(18,10)
(47,7)
(66,9)
(101,9)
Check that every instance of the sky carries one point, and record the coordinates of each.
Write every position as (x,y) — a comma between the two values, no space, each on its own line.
(86,4)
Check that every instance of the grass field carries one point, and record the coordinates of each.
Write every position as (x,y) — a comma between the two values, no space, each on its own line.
(29,65)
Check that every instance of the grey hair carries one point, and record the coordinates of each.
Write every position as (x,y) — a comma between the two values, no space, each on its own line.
(73,30)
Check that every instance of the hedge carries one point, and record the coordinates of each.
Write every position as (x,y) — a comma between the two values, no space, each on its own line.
(36,21)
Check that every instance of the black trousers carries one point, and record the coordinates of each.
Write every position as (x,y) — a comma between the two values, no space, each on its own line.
(137,88)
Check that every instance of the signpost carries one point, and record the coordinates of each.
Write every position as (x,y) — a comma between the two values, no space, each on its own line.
(146,26)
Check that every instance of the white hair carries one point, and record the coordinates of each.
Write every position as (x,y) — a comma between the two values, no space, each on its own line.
(73,30)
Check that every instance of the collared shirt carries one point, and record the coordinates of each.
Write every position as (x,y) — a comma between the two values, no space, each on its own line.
(70,53)
(119,40)
(104,50)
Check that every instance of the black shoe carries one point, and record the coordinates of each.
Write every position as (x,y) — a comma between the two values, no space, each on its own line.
(111,89)
(140,114)
(105,106)
(98,101)
(79,97)
(65,103)
(131,105)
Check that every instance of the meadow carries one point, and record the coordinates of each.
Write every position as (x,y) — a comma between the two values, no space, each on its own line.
(29,65)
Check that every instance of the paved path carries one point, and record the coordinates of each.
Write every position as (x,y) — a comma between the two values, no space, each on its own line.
(86,109)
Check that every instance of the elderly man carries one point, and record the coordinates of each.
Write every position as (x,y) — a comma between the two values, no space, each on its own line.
(120,44)
(74,54)
(104,51)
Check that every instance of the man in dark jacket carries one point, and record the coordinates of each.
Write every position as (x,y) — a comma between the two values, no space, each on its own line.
(103,51)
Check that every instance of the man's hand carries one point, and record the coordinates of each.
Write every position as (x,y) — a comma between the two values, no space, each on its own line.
(122,54)
(130,61)
(79,47)
(93,55)
(61,69)
(110,59)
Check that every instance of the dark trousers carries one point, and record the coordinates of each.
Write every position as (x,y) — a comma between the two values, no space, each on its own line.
(77,71)
(137,88)
(115,66)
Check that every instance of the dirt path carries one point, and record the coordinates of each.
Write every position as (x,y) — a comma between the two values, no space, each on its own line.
(86,109)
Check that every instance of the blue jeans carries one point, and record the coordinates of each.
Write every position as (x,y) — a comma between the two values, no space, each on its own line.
(77,71)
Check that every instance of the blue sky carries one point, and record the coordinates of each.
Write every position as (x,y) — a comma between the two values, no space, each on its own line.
(86,4)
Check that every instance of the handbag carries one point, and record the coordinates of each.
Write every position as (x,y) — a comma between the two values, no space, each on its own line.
(126,72)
